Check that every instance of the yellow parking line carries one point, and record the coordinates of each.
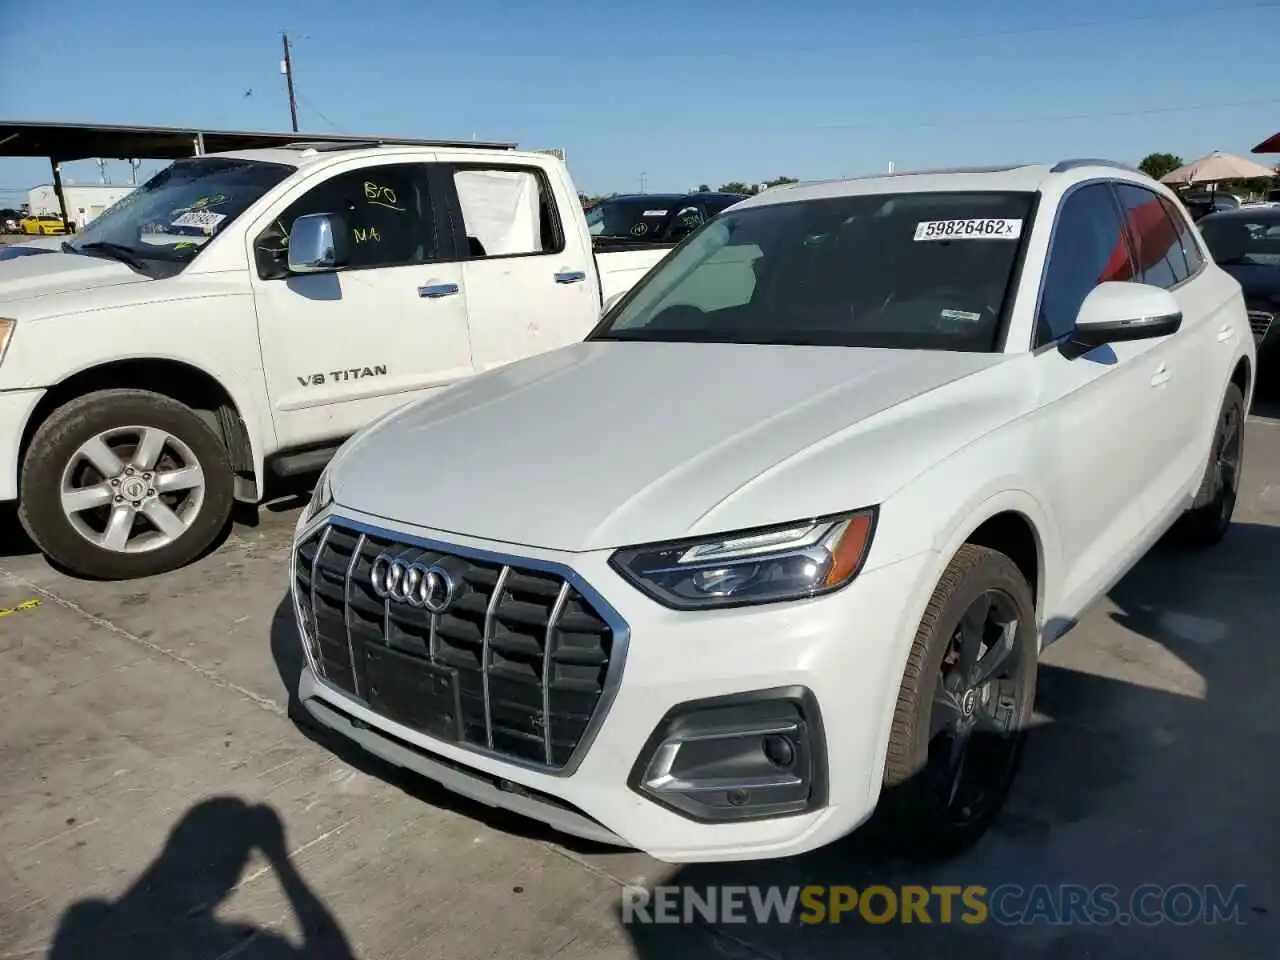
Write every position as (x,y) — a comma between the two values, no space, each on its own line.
(24,605)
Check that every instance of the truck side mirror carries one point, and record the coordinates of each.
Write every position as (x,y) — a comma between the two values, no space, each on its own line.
(318,243)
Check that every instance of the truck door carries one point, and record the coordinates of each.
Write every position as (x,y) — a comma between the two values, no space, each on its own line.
(341,348)
(529,275)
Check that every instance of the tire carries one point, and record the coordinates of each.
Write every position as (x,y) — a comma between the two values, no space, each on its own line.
(926,813)
(1209,518)
(82,537)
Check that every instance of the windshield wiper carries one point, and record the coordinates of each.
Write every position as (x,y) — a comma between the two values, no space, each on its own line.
(114,251)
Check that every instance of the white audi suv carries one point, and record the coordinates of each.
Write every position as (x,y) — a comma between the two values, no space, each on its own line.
(780,544)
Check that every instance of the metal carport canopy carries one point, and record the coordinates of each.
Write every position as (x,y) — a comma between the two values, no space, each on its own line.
(64,142)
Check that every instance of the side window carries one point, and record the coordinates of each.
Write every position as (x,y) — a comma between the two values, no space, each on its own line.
(507,212)
(389,218)
(1089,248)
(1186,237)
(1154,236)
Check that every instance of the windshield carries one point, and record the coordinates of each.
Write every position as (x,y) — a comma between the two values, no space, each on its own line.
(925,271)
(1239,240)
(176,212)
(642,218)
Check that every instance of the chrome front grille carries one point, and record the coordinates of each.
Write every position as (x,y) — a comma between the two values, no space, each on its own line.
(1260,322)
(522,664)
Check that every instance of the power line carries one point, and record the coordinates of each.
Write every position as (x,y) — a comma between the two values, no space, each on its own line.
(316,110)
(1198,13)
(1049,118)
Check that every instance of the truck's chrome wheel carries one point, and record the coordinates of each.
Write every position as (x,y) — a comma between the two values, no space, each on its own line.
(132,489)
(974,716)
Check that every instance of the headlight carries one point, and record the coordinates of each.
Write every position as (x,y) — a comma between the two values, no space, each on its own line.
(802,559)
(321,497)
(6,334)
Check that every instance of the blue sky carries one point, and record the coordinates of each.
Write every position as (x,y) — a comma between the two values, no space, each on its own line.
(681,92)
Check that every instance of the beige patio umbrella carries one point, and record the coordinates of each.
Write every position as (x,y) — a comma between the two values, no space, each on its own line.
(1215,168)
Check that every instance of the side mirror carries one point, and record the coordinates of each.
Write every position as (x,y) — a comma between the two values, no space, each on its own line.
(317,242)
(1114,312)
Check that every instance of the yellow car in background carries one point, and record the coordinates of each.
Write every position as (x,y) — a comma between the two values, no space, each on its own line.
(43,225)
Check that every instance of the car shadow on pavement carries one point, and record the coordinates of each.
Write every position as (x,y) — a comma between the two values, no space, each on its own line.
(14,541)
(286,651)
(171,910)
(1266,395)
(1160,772)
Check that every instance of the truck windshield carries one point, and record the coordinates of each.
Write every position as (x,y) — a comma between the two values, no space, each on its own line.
(176,212)
(925,271)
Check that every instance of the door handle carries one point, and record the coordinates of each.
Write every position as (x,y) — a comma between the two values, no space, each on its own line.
(436,290)
(571,276)
(1161,376)
(1226,333)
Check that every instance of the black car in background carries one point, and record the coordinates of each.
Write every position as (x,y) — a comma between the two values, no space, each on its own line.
(1201,204)
(653,219)
(1246,243)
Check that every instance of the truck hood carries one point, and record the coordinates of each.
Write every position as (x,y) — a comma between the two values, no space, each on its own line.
(605,444)
(22,278)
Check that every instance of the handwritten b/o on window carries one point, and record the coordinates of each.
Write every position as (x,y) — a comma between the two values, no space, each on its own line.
(380,196)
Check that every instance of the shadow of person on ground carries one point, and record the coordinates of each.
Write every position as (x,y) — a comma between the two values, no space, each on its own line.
(1149,764)
(171,910)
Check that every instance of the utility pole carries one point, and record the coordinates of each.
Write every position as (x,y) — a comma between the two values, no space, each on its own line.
(644,178)
(286,67)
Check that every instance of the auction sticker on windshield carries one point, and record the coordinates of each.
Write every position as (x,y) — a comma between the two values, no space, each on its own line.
(204,219)
(984,229)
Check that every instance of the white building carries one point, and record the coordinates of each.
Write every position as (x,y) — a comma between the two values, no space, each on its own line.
(84,201)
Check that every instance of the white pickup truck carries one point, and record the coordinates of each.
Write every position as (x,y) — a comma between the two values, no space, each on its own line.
(248,311)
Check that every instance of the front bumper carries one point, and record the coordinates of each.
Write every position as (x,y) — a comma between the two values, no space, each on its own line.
(844,652)
(15,411)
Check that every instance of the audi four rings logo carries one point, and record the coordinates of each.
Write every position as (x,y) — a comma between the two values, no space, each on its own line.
(422,585)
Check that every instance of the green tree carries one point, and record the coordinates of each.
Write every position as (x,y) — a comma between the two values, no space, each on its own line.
(779,181)
(736,186)
(1157,165)
(703,188)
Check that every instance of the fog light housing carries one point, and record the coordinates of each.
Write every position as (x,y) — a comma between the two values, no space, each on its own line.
(747,756)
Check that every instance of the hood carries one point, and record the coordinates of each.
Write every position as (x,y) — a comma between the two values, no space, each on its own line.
(22,278)
(606,444)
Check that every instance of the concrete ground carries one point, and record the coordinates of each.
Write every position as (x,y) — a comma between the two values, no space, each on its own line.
(157,801)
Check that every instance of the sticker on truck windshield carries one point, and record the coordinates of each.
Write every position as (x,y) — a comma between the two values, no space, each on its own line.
(986,229)
(205,220)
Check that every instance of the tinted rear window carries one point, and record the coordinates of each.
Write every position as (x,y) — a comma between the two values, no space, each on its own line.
(1240,240)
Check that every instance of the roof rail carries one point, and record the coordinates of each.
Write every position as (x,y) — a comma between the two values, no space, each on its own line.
(331,146)
(1062,166)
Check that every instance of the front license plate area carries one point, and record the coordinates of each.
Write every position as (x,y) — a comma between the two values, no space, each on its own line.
(414,692)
